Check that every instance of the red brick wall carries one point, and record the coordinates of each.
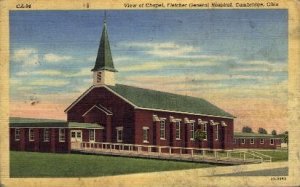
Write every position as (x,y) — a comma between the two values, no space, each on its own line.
(38,144)
(123,113)
(257,144)
(144,118)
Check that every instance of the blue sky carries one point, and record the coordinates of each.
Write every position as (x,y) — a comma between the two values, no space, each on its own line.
(213,54)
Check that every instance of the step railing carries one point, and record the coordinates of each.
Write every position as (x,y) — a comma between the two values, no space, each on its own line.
(167,151)
(266,158)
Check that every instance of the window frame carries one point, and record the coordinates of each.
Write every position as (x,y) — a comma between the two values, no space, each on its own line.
(192,131)
(119,139)
(17,135)
(62,135)
(44,135)
(31,134)
(92,138)
(177,130)
(217,132)
(205,130)
(243,141)
(272,139)
(262,141)
(234,141)
(146,132)
(162,131)
(251,140)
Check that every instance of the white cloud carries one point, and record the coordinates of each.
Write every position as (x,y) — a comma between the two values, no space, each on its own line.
(49,82)
(56,58)
(82,72)
(49,72)
(262,66)
(26,56)
(163,49)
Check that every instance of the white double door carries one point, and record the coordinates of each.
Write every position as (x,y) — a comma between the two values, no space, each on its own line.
(76,135)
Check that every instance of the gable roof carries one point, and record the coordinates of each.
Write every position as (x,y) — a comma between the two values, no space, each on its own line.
(157,100)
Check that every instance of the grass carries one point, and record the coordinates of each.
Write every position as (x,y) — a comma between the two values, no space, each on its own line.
(276,155)
(30,164)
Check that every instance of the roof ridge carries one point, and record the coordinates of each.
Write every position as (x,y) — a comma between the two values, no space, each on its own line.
(163,92)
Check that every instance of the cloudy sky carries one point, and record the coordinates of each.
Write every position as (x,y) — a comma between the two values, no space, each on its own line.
(236,59)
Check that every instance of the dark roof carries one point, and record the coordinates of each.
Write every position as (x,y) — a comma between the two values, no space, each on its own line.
(253,135)
(152,99)
(32,122)
(104,57)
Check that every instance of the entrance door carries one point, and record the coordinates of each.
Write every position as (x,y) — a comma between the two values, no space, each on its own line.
(76,136)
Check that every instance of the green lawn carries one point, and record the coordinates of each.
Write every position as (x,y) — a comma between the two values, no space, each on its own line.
(277,155)
(30,164)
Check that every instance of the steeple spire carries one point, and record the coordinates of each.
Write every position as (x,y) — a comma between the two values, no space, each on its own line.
(104,57)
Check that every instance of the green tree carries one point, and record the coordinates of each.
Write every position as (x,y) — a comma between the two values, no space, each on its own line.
(247,129)
(262,131)
(200,135)
(274,132)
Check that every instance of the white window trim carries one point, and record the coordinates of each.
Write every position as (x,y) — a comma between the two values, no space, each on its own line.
(252,141)
(44,132)
(262,141)
(164,129)
(192,131)
(271,141)
(17,139)
(29,134)
(243,141)
(118,138)
(90,135)
(205,130)
(217,132)
(147,130)
(177,122)
(60,135)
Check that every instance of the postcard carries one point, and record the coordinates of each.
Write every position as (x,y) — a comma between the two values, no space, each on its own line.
(149,93)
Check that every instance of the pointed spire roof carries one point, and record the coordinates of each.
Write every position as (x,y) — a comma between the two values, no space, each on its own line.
(104,58)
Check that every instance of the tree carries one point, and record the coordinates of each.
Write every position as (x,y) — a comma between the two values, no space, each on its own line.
(286,137)
(262,131)
(274,132)
(200,135)
(247,129)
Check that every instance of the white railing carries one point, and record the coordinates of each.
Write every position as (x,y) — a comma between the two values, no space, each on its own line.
(167,152)
(264,157)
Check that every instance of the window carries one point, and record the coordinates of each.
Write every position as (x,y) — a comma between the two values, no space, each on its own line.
(177,123)
(31,135)
(46,135)
(73,134)
(17,134)
(205,130)
(242,141)
(217,132)
(251,141)
(99,76)
(162,129)
(145,134)
(119,134)
(62,135)
(92,135)
(192,131)
(234,141)
(272,141)
(262,141)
